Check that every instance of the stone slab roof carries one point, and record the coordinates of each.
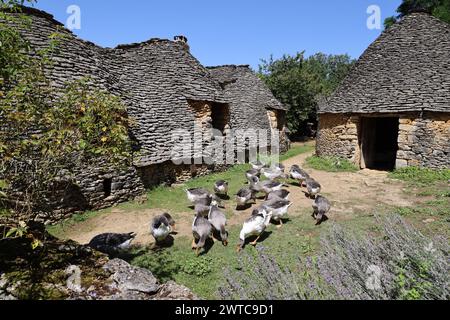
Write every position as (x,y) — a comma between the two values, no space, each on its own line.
(155,79)
(406,69)
(247,95)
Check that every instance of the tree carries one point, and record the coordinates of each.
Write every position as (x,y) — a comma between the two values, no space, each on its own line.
(299,82)
(438,8)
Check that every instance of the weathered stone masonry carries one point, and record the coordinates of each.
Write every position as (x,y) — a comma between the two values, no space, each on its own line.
(422,141)
(399,90)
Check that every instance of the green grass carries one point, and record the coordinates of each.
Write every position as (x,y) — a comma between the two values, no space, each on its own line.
(330,164)
(59,229)
(421,175)
(295,151)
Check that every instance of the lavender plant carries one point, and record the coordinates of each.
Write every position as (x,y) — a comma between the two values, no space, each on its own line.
(397,263)
(261,277)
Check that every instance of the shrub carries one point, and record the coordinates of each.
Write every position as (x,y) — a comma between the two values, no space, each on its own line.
(198,266)
(400,263)
(162,264)
(331,164)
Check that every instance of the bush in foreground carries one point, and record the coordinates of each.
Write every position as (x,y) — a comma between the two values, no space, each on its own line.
(400,263)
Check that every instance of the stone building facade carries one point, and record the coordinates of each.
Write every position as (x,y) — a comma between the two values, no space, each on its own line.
(164,89)
(393,109)
(251,101)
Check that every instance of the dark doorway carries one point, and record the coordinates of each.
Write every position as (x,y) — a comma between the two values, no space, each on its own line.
(220,114)
(379,142)
(107,186)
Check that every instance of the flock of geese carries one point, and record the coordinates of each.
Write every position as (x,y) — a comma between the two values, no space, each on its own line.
(210,221)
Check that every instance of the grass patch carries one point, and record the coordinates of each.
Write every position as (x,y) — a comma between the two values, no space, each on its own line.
(330,164)
(421,175)
(58,230)
(296,150)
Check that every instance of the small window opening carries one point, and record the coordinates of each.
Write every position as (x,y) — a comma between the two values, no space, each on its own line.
(107,185)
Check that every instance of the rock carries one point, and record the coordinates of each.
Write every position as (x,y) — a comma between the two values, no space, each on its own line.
(174,291)
(401,163)
(129,278)
(6,297)
(3,282)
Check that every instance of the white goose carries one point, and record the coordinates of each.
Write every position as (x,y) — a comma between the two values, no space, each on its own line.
(195,194)
(254,226)
(161,226)
(278,208)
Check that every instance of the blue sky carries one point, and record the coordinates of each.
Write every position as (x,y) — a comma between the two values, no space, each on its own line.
(232,31)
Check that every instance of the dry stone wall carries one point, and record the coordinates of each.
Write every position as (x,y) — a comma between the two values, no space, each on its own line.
(423,140)
(338,137)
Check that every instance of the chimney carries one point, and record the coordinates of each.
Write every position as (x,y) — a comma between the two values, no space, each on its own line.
(182,40)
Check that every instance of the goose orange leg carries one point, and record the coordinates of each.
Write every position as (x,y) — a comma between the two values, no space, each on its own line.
(254,243)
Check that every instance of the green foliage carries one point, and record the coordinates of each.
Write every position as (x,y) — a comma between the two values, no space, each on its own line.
(442,11)
(389,22)
(18,231)
(199,267)
(331,164)
(438,8)
(299,82)
(421,175)
(162,264)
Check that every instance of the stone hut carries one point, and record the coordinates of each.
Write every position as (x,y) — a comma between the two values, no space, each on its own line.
(251,101)
(164,89)
(393,109)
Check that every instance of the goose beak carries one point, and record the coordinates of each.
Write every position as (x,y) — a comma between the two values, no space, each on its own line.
(238,248)
(225,243)
(174,229)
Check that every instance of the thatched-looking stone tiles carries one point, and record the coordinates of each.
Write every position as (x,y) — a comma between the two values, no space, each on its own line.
(246,94)
(155,79)
(406,69)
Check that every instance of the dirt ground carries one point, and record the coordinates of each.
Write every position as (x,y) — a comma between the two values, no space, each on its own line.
(349,193)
